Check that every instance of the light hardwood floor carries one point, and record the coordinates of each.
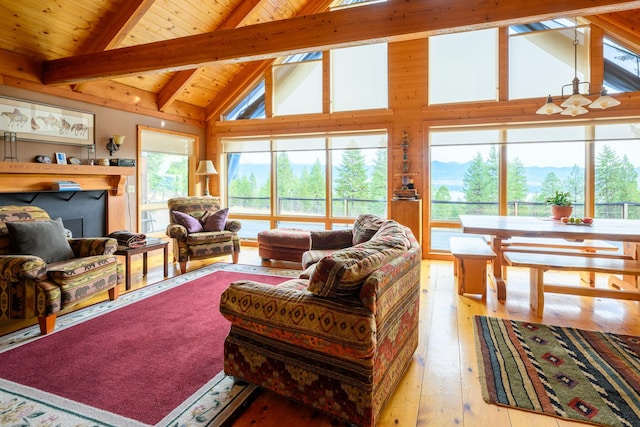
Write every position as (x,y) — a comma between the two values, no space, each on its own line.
(441,387)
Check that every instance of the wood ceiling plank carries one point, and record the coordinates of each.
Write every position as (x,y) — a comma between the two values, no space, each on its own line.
(391,21)
(182,78)
(120,26)
(623,27)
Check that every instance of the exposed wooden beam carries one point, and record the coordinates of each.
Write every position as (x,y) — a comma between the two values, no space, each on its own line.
(621,28)
(395,20)
(253,71)
(119,28)
(241,82)
(182,78)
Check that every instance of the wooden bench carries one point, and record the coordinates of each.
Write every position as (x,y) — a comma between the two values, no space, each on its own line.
(595,248)
(470,257)
(539,263)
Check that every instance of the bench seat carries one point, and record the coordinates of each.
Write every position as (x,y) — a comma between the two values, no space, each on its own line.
(470,257)
(581,248)
(539,263)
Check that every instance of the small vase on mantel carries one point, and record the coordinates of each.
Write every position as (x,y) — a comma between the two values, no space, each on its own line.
(559,211)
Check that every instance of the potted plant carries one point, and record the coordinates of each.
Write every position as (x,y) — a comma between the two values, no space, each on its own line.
(561,204)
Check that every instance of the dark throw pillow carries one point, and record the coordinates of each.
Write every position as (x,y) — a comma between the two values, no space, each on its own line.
(46,239)
(215,221)
(192,224)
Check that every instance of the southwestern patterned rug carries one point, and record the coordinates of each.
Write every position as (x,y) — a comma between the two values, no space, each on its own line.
(570,373)
(212,401)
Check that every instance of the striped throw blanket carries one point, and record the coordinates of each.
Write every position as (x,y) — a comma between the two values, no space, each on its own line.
(127,238)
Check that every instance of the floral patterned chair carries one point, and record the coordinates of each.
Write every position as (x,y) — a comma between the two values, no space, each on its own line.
(43,272)
(200,229)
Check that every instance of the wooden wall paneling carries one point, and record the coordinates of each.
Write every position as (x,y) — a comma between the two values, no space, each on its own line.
(189,115)
(596,58)
(407,95)
(503,64)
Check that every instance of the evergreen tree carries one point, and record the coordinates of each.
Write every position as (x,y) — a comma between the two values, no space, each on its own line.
(316,183)
(351,176)
(378,185)
(477,181)
(442,211)
(550,184)
(574,184)
(178,169)
(286,183)
(493,174)
(607,176)
(155,180)
(516,182)
(628,191)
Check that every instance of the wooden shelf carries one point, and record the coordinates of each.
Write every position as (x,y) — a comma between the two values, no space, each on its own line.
(17,177)
(55,169)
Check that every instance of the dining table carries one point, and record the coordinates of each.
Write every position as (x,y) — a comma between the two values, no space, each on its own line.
(502,228)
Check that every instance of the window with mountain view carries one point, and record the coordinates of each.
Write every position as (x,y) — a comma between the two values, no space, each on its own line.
(538,161)
(357,164)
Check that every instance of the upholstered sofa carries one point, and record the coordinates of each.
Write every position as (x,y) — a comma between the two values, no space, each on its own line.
(200,229)
(42,272)
(339,337)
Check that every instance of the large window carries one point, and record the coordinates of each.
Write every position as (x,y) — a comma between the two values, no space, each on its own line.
(533,53)
(533,162)
(164,173)
(297,85)
(285,180)
(463,67)
(617,162)
(359,78)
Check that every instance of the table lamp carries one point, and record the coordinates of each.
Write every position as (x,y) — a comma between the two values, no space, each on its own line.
(206,168)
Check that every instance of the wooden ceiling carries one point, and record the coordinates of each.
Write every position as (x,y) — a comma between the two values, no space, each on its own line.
(192,58)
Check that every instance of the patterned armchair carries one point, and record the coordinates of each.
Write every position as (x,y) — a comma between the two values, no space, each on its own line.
(339,337)
(43,272)
(200,229)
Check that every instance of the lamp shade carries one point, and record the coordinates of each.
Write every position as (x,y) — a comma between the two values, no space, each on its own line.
(576,100)
(118,140)
(549,107)
(205,167)
(574,111)
(604,101)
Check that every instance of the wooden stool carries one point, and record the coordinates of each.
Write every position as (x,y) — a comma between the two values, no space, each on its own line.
(470,256)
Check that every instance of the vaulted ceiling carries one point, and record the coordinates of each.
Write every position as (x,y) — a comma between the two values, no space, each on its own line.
(192,58)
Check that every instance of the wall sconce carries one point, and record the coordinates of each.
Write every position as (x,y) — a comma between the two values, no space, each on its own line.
(206,168)
(114,143)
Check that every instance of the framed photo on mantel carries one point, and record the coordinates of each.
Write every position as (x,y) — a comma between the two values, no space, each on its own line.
(46,123)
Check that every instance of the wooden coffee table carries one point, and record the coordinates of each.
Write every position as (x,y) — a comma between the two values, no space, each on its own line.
(149,245)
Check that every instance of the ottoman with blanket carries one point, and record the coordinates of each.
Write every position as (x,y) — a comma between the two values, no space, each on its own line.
(339,337)
(285,244)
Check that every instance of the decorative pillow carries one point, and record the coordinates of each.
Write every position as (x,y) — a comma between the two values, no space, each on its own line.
(365,226)
(192,224)
(343,272)
(215,221)
(392,234)
(45,239)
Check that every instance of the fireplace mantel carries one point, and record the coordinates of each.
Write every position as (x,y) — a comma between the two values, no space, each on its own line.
(21,177)
(40,177)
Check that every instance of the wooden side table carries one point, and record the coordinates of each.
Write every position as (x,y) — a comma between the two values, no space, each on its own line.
(149,245)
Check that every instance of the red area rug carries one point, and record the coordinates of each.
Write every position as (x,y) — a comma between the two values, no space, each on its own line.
(140,361)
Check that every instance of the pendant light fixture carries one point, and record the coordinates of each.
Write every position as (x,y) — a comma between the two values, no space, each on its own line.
(576,103)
